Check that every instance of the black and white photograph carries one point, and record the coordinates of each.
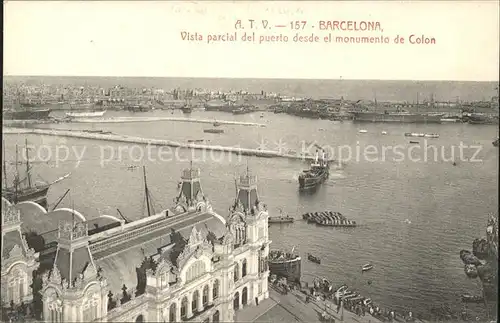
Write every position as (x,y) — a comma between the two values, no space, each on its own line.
(250,161)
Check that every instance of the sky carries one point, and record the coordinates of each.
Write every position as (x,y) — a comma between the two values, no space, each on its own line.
(114,38)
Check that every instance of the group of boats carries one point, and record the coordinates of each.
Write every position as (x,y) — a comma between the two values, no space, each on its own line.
(328,218)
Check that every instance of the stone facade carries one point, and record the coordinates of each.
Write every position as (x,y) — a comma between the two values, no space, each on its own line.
(185,264)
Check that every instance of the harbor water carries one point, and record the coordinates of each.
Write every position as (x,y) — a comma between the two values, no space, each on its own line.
(414,216)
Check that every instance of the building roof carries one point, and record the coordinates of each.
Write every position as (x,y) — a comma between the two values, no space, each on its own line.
(119,263)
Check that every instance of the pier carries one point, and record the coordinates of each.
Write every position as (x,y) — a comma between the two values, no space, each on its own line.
(83,134)
(151,119)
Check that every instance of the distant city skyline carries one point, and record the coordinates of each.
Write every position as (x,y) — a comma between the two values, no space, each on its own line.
(142,39)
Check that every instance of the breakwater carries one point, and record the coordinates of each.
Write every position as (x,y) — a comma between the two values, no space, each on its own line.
(131,119)
(151,119)
(85,134)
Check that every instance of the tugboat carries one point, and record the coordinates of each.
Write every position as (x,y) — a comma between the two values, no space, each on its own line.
(316,175)
(366,267)
(285,264)
(313,259)
(467,298)
(280,219)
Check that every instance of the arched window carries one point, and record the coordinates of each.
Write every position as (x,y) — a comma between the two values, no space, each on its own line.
(90,308)
(194,302)
(236,272)
(173,313)
(244,296)
(184,305)
(16,285)
(205,296)
(244,268)
(215,292)
(139,319)
(196,270)
(236,301)
(55,311)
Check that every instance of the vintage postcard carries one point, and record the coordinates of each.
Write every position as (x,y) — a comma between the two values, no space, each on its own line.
(250,161)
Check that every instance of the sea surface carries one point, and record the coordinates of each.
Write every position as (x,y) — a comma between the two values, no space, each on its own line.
(414,216)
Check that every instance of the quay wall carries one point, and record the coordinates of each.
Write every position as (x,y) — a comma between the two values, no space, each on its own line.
(155,142)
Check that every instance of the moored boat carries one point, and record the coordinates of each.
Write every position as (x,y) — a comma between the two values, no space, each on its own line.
(281,219)
(366,267)
(27,114)
(396,117)
(414,142)
(285,264)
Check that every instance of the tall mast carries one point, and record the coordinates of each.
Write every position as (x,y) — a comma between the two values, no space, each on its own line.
(4,166)
(28,164)
(146,191)
(16,179)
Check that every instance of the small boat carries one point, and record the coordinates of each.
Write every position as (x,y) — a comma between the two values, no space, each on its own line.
(467,298)
(196,140)
(431,135)
(413,134)
(366,267)
(216,124)
(262,115)
(495,143)
(362,131)
(384,132)
(313,259)
(213,131)
(414,142)
(367,301)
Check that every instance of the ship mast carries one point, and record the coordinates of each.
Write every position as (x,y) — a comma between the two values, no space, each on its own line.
(28,164)
(146,190)
(4,167)
(16,179)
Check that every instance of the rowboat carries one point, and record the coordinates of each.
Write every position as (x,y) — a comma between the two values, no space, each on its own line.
(366,267)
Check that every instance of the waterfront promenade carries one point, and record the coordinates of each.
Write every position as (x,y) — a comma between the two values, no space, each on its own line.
(293,308)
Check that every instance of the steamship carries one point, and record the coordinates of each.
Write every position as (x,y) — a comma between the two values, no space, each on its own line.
(285,264)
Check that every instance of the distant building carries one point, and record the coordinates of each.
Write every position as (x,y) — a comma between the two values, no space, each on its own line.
(185,264)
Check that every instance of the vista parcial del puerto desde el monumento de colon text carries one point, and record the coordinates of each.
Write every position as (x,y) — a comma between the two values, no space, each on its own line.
(304,31)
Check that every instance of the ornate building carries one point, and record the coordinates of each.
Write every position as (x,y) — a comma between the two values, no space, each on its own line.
(185,264)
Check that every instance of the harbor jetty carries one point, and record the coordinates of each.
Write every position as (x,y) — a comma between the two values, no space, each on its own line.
(82,134)
(132,119)
(151,119)
(328,218)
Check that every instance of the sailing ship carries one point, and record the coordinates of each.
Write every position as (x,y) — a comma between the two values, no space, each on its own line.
(317,174)
(25,189)
(285,264)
